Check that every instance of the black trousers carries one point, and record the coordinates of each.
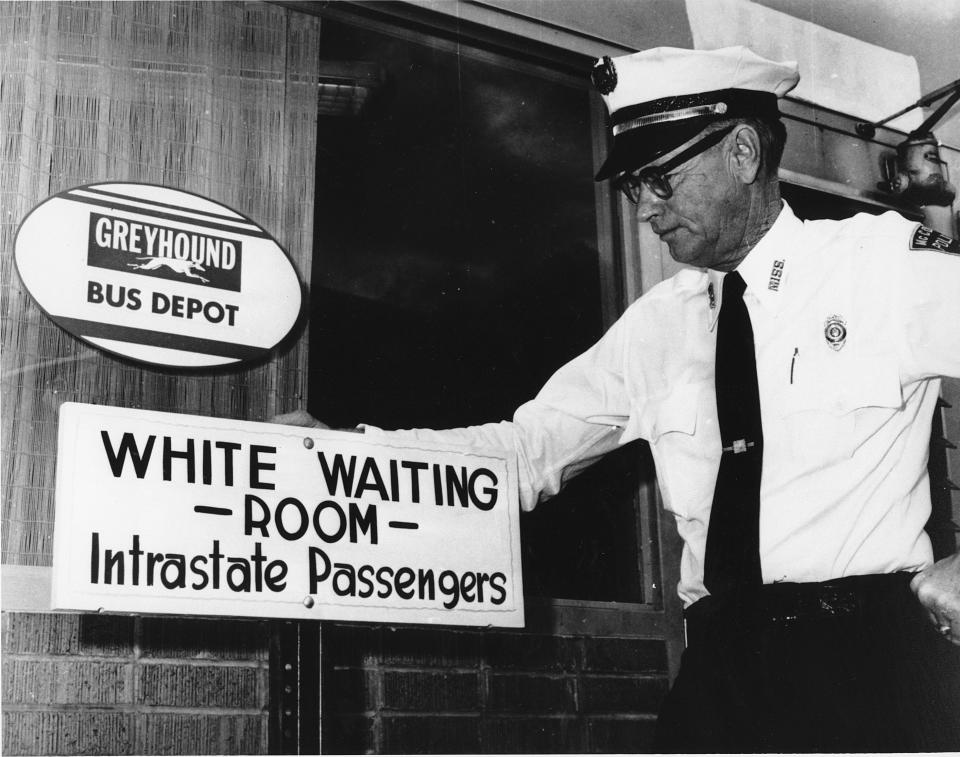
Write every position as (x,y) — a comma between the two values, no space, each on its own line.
(853,665)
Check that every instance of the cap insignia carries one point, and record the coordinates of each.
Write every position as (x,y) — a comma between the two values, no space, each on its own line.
(604,75)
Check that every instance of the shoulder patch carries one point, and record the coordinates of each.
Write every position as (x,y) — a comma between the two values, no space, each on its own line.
(925,238)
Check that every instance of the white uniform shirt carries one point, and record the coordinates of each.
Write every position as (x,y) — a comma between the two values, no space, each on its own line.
(852,328)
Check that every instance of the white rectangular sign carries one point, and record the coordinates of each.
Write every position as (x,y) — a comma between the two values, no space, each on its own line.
(167,513)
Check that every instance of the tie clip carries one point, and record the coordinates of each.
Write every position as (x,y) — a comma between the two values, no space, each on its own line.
(739,445)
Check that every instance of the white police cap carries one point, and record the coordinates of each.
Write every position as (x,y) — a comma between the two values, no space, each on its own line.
(660,98)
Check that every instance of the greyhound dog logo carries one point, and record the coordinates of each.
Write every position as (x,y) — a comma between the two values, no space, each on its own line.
(184,267)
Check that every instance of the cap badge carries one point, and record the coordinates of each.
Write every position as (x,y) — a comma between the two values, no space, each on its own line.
(604,75)
(835,331)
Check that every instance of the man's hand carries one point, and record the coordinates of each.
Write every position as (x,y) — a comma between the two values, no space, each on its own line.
(938,589)
(303,418)
(298,418)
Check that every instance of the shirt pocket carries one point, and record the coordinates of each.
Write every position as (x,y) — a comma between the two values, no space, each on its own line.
(676,413)
(827,410)
(674,426)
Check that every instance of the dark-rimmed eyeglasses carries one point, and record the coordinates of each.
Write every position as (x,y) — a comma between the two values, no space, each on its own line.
(656,178)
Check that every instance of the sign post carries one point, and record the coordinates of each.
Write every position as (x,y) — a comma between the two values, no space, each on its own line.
(167,513)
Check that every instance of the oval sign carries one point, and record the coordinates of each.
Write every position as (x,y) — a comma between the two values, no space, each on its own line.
(158,274)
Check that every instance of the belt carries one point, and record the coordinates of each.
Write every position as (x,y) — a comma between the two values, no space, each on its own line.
(785,604)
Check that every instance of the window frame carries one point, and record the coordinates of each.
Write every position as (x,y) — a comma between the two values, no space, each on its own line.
(620,252)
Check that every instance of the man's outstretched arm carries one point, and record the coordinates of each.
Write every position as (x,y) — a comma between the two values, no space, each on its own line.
(578,416)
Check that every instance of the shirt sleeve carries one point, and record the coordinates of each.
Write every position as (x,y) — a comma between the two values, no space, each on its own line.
(577,417)
(928,286)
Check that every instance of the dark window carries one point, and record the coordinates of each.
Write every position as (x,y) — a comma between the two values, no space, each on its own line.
(456,267)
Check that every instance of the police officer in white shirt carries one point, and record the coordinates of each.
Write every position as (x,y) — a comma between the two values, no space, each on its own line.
(786,384)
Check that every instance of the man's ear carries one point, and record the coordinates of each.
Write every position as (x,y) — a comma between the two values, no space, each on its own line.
(746,154)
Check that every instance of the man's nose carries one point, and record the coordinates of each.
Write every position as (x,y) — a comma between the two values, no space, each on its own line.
(649,205)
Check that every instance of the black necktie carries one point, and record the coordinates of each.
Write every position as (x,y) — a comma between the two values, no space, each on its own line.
(732,561)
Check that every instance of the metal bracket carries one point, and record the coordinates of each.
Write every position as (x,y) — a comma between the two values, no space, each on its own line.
(294,687)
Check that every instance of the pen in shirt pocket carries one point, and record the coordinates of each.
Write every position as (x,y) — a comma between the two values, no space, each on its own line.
(793,362)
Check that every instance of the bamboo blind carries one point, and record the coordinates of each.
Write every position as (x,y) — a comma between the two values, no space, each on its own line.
(215,98)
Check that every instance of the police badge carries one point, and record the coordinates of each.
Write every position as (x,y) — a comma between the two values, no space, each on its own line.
(835,331)
(604,75)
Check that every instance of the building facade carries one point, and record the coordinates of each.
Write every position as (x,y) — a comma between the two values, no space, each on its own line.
(428,169)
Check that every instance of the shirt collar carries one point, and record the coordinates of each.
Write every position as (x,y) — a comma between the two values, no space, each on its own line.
(766,268)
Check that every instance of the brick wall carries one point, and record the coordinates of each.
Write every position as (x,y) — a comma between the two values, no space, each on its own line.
(90,684)
(415,690)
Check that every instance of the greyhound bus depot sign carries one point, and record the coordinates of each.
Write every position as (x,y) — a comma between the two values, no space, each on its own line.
(168,513)
(157,274)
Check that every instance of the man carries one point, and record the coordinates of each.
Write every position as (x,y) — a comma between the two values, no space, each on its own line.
(786,384)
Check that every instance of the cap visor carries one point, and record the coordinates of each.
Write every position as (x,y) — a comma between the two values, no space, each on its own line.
(638,147)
